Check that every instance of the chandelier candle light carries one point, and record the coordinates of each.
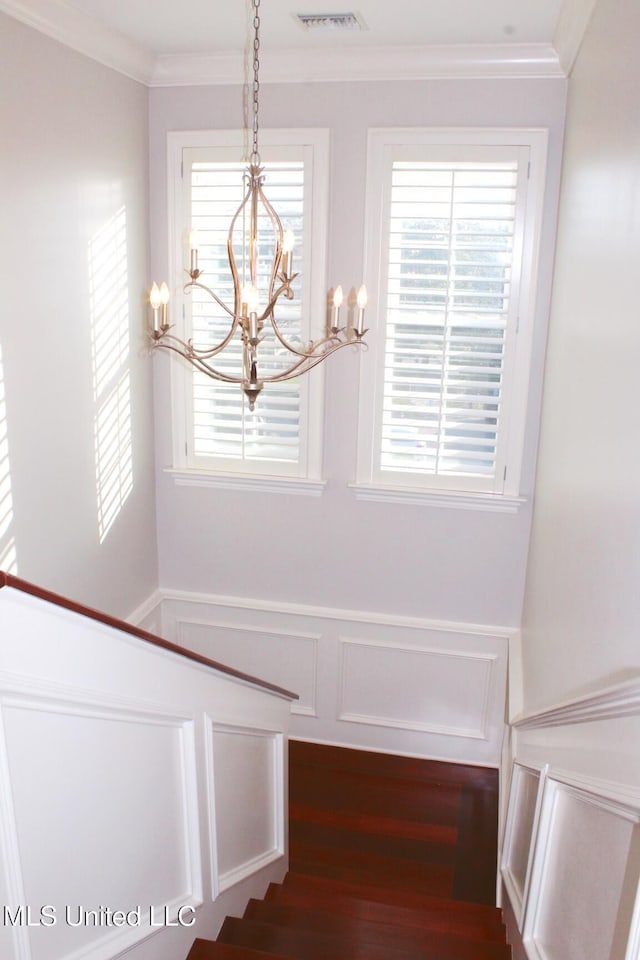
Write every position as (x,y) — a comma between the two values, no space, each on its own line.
(254,306)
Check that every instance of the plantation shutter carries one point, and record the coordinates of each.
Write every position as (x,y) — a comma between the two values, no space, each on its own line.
(452,239)
(224,430)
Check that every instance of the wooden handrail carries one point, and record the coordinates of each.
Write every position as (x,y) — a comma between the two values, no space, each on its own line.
(8,580)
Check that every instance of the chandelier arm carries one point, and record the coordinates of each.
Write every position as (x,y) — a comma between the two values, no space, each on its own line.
(201,286)
(277,229)
(313,344)
(186,350)
(203,367)
(230,254)
(295,370)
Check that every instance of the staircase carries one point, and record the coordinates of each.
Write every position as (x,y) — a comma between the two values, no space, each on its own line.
(391,858)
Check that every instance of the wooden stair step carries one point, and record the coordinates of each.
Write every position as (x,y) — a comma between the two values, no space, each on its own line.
(436,918)
(394,936)
(386,797)
(213,950)
(311,884)
(426,878)
(313,945)
(372,824)
(332,758)
(433,845)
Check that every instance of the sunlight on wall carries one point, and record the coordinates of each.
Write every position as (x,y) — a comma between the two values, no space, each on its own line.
(109,308)
(8,556)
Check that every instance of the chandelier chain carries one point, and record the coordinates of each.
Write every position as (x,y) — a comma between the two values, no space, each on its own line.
(255,155)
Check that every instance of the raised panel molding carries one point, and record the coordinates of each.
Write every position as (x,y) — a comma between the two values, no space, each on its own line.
(583,902)
(245,770)
(421,687)
(523,814)
(284,657)
(116,760)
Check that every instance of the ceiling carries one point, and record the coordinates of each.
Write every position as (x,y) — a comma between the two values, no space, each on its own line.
(207,26)
(167,42)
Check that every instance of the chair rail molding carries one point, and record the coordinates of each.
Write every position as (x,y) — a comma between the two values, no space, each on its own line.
(618,700)
(365,679)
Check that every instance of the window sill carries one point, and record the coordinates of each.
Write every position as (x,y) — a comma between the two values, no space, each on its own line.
(450,499)
(294,486)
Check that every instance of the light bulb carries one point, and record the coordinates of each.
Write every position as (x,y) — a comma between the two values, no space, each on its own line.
(362,297)
(288,241)
(154,296)
(338,297)
(251,298)
(164,293)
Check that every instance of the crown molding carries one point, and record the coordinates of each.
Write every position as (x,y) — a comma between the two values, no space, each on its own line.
(364,63)
(64,23)
(572,25)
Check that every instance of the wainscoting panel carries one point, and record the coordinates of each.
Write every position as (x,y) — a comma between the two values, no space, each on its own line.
(246,803)
(135,771)
(107,753)
(585,876)
(581,869)
(285,658)
(401,685)
(434,691)
(525,797)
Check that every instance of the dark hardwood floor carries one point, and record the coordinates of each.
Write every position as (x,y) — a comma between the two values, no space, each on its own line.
(391,858)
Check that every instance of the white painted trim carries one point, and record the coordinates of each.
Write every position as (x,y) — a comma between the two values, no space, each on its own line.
(65,23)
(363,748)
(486,502)
(571,27)
(86,35)
(619,700)
(321,64)
(222,881)
(623,799)
(291,486)
(519,900)
(334,613)
(146,609)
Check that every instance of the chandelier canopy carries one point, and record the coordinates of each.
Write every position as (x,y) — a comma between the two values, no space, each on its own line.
(255,301)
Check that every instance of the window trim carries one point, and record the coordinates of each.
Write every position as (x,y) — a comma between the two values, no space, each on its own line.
(307,476)
(403,486)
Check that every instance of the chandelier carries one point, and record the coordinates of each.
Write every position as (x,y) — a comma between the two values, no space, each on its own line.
(255,300)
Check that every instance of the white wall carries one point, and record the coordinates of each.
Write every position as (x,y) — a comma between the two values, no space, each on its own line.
(582,615)
(446,564)
(73,229)
(580,696)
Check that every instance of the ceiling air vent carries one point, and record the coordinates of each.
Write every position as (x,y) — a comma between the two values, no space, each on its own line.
(330,21)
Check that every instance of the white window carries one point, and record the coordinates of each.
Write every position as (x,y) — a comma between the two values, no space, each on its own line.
(453,231)
(215,429)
